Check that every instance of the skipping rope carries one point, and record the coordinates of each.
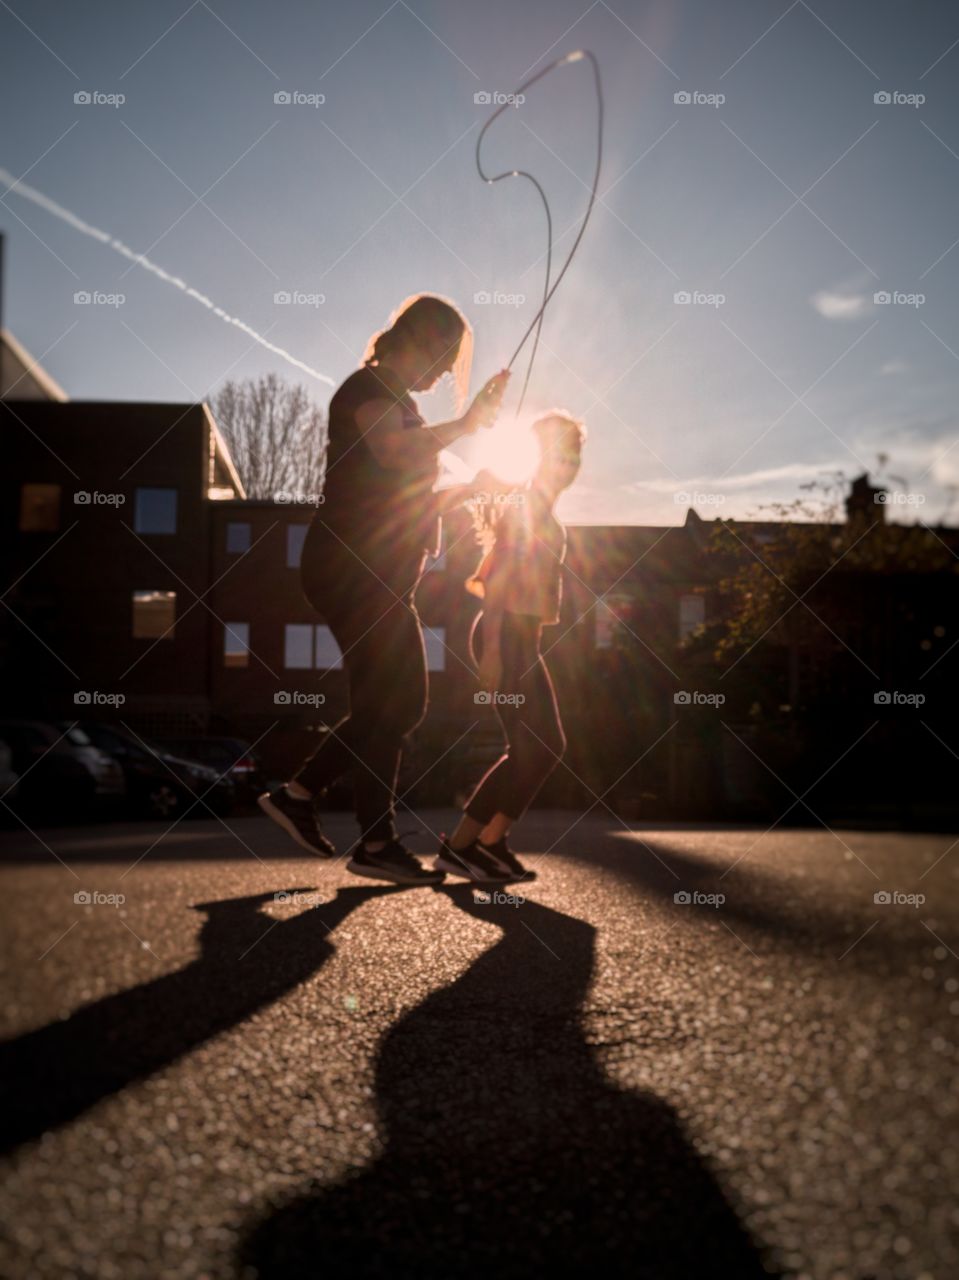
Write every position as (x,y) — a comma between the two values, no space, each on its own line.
(536,323)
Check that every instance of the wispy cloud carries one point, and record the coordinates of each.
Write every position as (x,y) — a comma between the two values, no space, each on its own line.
(799,471)
(840,306)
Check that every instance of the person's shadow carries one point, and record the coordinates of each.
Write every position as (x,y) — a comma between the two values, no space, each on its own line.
(52,1075)
(507,1151)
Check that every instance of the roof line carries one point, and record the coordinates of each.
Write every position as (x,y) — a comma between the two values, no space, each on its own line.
(33,369)
(224,450)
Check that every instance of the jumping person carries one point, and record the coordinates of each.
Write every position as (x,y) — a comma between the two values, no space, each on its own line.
(363,555)
(519,582)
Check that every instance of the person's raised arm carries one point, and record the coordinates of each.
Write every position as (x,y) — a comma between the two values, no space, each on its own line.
(394,445)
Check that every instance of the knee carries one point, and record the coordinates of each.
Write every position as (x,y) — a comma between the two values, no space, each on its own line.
(554,751)
(545,750)
(415,717)
(412,707)
(553,738)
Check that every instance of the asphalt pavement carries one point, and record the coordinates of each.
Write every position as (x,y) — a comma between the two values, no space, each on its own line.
(680,1052)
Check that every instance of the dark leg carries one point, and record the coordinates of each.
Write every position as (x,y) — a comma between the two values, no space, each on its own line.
(328,761)
(385,660)
(534,735)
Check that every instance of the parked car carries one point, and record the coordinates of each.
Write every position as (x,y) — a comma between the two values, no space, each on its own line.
(161,784)
(61,771)
(231,756)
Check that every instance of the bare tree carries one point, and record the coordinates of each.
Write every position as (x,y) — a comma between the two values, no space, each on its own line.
(277,436)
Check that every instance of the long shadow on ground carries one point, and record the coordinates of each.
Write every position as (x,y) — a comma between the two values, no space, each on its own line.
(771,902)
(52,1075)
(507,1151)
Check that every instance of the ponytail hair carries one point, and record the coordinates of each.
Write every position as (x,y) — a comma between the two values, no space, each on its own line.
(421,317)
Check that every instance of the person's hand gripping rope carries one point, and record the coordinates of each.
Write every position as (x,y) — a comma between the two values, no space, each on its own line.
(486,406)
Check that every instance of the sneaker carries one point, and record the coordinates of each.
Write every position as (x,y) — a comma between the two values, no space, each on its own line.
(392,862)
(472,863)
(297,818)
(500,851)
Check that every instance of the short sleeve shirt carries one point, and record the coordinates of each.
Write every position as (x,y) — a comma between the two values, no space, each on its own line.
(387,515)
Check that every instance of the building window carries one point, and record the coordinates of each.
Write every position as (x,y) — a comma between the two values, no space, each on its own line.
(306,647)
(154,511)
(435,639)
(610,610)
(154,614)
(238,536)
(328,654)
(298,646)
(692,613)
(39,508)
(295,534)
(236,644)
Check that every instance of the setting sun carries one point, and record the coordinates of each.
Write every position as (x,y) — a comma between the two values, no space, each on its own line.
(509,449)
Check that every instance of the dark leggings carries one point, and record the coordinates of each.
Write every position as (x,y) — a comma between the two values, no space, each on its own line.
(527,710)
(385,659)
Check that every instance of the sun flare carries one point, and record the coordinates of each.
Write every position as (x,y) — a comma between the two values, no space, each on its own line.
(508,449)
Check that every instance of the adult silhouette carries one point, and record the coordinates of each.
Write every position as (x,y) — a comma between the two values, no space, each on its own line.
(363,556)
(54,1074)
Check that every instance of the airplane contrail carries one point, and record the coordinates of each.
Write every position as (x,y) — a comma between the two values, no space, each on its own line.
(18,188)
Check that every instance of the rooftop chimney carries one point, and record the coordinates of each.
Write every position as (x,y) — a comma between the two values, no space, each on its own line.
(865,501)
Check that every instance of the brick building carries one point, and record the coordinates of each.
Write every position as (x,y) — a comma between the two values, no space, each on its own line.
(133,564)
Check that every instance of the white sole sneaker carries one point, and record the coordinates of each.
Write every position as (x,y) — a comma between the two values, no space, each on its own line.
(454,867)
(394,875)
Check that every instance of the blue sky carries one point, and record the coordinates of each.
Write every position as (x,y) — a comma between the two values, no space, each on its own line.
(782,210)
